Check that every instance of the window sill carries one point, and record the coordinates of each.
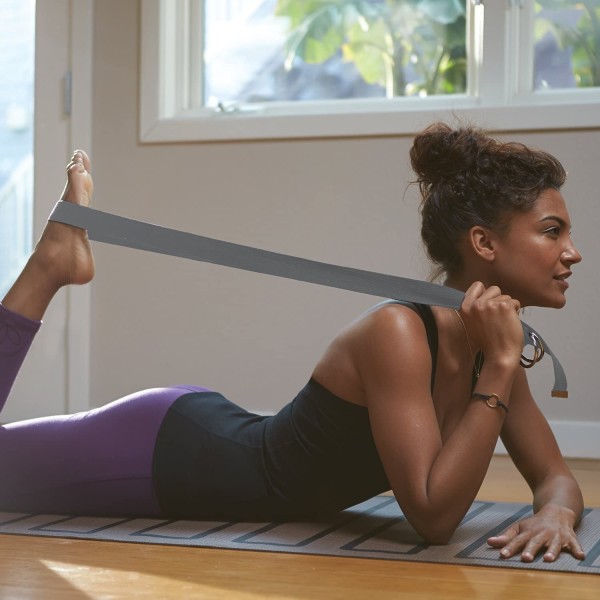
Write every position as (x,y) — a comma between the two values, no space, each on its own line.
(368,119)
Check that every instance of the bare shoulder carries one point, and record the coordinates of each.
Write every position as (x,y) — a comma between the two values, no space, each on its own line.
(381,343)
(392,349)
(390,320)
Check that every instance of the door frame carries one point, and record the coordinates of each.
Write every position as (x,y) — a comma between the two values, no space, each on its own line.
(78,340)
(55,377)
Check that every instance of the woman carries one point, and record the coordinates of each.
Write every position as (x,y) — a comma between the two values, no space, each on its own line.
(407,397)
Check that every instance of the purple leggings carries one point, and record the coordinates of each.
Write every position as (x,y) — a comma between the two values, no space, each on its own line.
(96,462)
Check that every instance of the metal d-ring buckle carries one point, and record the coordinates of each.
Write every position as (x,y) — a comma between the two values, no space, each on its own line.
(538,352)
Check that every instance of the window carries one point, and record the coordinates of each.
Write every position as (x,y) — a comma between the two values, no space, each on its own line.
(566,44)
(238,69)
(17,25)
(260,51)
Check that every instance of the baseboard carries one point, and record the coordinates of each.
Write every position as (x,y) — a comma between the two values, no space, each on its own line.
(576,439)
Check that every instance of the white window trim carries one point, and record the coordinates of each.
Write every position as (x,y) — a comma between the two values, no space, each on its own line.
(498,98)
(79,317)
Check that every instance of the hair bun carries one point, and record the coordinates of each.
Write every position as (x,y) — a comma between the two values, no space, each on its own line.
(440,152)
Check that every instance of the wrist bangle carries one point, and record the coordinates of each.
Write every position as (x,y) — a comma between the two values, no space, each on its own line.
(492,400)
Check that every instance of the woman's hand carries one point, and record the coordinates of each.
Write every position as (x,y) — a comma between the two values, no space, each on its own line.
(493,323)
(550,530)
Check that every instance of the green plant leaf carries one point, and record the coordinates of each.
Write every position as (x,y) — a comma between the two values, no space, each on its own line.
(367,50)
(381,37)
(297,11)
(318,36)
(322,46)
(441,11)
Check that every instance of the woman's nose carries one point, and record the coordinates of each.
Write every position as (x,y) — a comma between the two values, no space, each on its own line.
(572,255)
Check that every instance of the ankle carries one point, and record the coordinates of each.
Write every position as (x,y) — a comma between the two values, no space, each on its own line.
(32,292)
(42,267)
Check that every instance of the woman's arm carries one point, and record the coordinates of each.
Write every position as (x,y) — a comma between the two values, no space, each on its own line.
(557,499)
(435,483)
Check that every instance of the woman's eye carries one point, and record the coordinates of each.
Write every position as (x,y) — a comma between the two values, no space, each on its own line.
(553,231)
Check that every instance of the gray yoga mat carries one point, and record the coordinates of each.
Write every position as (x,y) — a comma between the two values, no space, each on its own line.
(373,529)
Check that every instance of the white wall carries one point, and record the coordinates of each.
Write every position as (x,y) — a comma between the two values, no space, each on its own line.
(159,320)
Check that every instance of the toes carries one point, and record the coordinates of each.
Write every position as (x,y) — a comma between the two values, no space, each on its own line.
(80,157)
(86,160)
(80,162)
(75,167)
(79,186)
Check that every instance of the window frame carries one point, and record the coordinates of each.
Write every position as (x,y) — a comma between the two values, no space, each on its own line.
(498,98)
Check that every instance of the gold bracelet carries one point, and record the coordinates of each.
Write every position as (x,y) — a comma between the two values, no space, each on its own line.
(487,399)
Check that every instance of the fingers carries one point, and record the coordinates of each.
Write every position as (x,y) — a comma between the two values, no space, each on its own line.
(498,541)
(529,546)
(477,295)
(492,322)
(572,545)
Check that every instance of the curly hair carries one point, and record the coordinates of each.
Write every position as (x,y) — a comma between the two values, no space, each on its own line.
(467,178)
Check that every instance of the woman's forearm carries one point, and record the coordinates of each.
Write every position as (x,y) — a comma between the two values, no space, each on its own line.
(462,463)
(561,491)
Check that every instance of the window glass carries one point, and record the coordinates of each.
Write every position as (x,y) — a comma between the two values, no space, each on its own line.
(17,26)
(259,51)
(567,44)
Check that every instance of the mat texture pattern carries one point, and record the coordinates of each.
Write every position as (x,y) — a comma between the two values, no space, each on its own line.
(373,529)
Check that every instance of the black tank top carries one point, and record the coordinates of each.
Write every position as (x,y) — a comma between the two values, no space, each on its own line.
(316,456)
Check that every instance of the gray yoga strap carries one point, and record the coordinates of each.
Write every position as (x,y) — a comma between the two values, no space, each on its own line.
(120,231)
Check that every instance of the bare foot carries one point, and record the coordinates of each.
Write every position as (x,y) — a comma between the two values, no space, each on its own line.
(64,252)
(62,256)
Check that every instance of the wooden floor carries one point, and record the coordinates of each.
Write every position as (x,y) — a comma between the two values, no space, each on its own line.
(67,569)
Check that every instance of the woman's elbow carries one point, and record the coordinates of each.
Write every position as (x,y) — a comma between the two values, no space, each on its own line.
(435,522)
(435,531)
(437,538)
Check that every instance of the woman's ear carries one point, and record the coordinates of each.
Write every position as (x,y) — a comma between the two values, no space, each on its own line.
(482,242)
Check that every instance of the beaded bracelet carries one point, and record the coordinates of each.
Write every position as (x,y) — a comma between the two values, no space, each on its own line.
(488,397)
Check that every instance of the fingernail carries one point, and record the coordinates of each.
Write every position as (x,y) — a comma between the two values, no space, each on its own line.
(504,552)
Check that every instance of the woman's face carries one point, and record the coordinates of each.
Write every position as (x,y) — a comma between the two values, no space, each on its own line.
(535,256)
